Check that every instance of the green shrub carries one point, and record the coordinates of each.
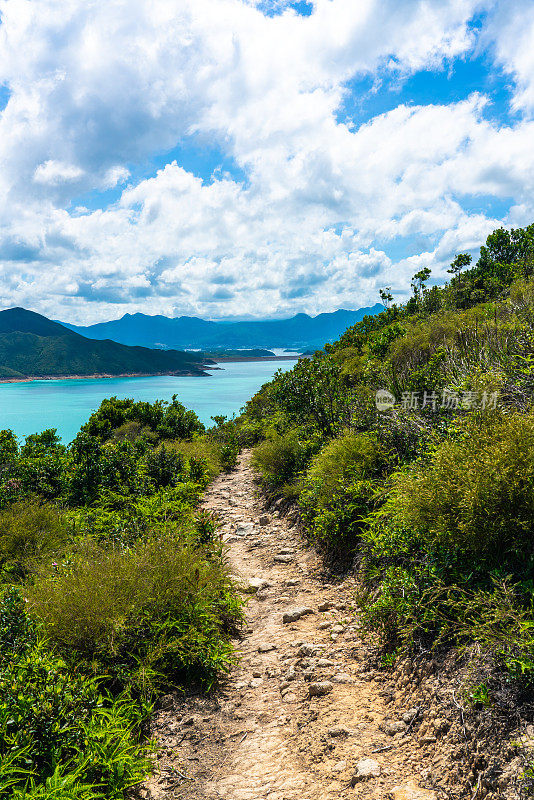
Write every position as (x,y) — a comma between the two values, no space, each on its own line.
(394,608)
(37,444)
(9,446)
(280,458)
(451,522)
(133,431)
(473,497)
(58,729)
(202,450)
(30,531)
(158,420)
(165,467)
(338,489)
(313,394)
(165,605)
(122,518)
(97,467)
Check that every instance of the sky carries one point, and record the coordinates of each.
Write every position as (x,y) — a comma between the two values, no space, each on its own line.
(255,159)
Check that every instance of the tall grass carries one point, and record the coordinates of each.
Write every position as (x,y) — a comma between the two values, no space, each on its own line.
(166,605)
(60,733)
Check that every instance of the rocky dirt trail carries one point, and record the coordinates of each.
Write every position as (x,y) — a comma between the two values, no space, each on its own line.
(302,716)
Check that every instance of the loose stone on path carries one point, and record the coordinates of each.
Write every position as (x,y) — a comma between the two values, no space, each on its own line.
(293,720)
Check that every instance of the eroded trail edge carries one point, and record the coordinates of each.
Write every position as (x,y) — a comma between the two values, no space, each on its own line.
(302,717)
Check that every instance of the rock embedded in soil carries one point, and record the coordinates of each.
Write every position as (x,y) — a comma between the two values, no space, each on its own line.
(365,769)
(391,727)
(290,698)
(257,584)
(320,688)
(244,528)
(306,649)
(266,647)
(166,703)
(342,677)
(326,606)
(338,731)
(296,613)
(409,715)
(411,791)
(337,628)
(283,559)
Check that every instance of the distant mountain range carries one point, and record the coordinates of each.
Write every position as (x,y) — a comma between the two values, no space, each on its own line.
(301,332)
(33,346)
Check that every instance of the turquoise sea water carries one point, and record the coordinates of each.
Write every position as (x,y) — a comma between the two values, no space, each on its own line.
(66,404)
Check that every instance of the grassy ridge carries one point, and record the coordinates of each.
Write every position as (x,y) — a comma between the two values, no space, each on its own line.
(431,498)
(113,588)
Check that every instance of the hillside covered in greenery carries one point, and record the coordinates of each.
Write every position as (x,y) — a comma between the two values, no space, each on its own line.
(114,589)
(32,345)
(408,446)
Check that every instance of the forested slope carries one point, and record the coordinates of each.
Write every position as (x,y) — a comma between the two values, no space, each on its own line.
(408,446)
(32,345)
(113,589)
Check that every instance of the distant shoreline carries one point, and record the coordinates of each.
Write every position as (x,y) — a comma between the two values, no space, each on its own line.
(103,375)
(223,359)
(177,374)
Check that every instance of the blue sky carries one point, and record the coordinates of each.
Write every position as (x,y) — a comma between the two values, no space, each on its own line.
(254,159)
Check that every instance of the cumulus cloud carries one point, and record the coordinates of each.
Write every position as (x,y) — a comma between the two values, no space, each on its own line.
(314,214)
(54,172)
(510,32)
(115,176)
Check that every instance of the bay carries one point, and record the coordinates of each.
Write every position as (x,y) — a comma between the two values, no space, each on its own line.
(66,404)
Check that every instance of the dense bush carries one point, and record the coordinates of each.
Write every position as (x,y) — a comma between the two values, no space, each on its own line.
(474,497)
(159,420)
(338,489)
(123,578)
(57,728)
(454,519)
(280,458)
(30,531)
(313,394)
(166,605)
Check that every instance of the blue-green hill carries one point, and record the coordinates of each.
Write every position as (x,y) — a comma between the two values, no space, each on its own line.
(33,346)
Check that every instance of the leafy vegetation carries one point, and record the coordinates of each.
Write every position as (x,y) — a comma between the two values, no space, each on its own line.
(114,585)
(59,730)
(431,492)
(113,588)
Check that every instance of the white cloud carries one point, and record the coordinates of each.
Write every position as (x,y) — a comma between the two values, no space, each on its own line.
(115,176)
(98,89)
(55,172)
(511,31)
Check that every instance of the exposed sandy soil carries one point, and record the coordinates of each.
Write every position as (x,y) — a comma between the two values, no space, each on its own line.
(264,735)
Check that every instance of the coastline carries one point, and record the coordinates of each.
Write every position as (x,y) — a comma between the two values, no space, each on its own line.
(103,375)
(179,374)
(227,359)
